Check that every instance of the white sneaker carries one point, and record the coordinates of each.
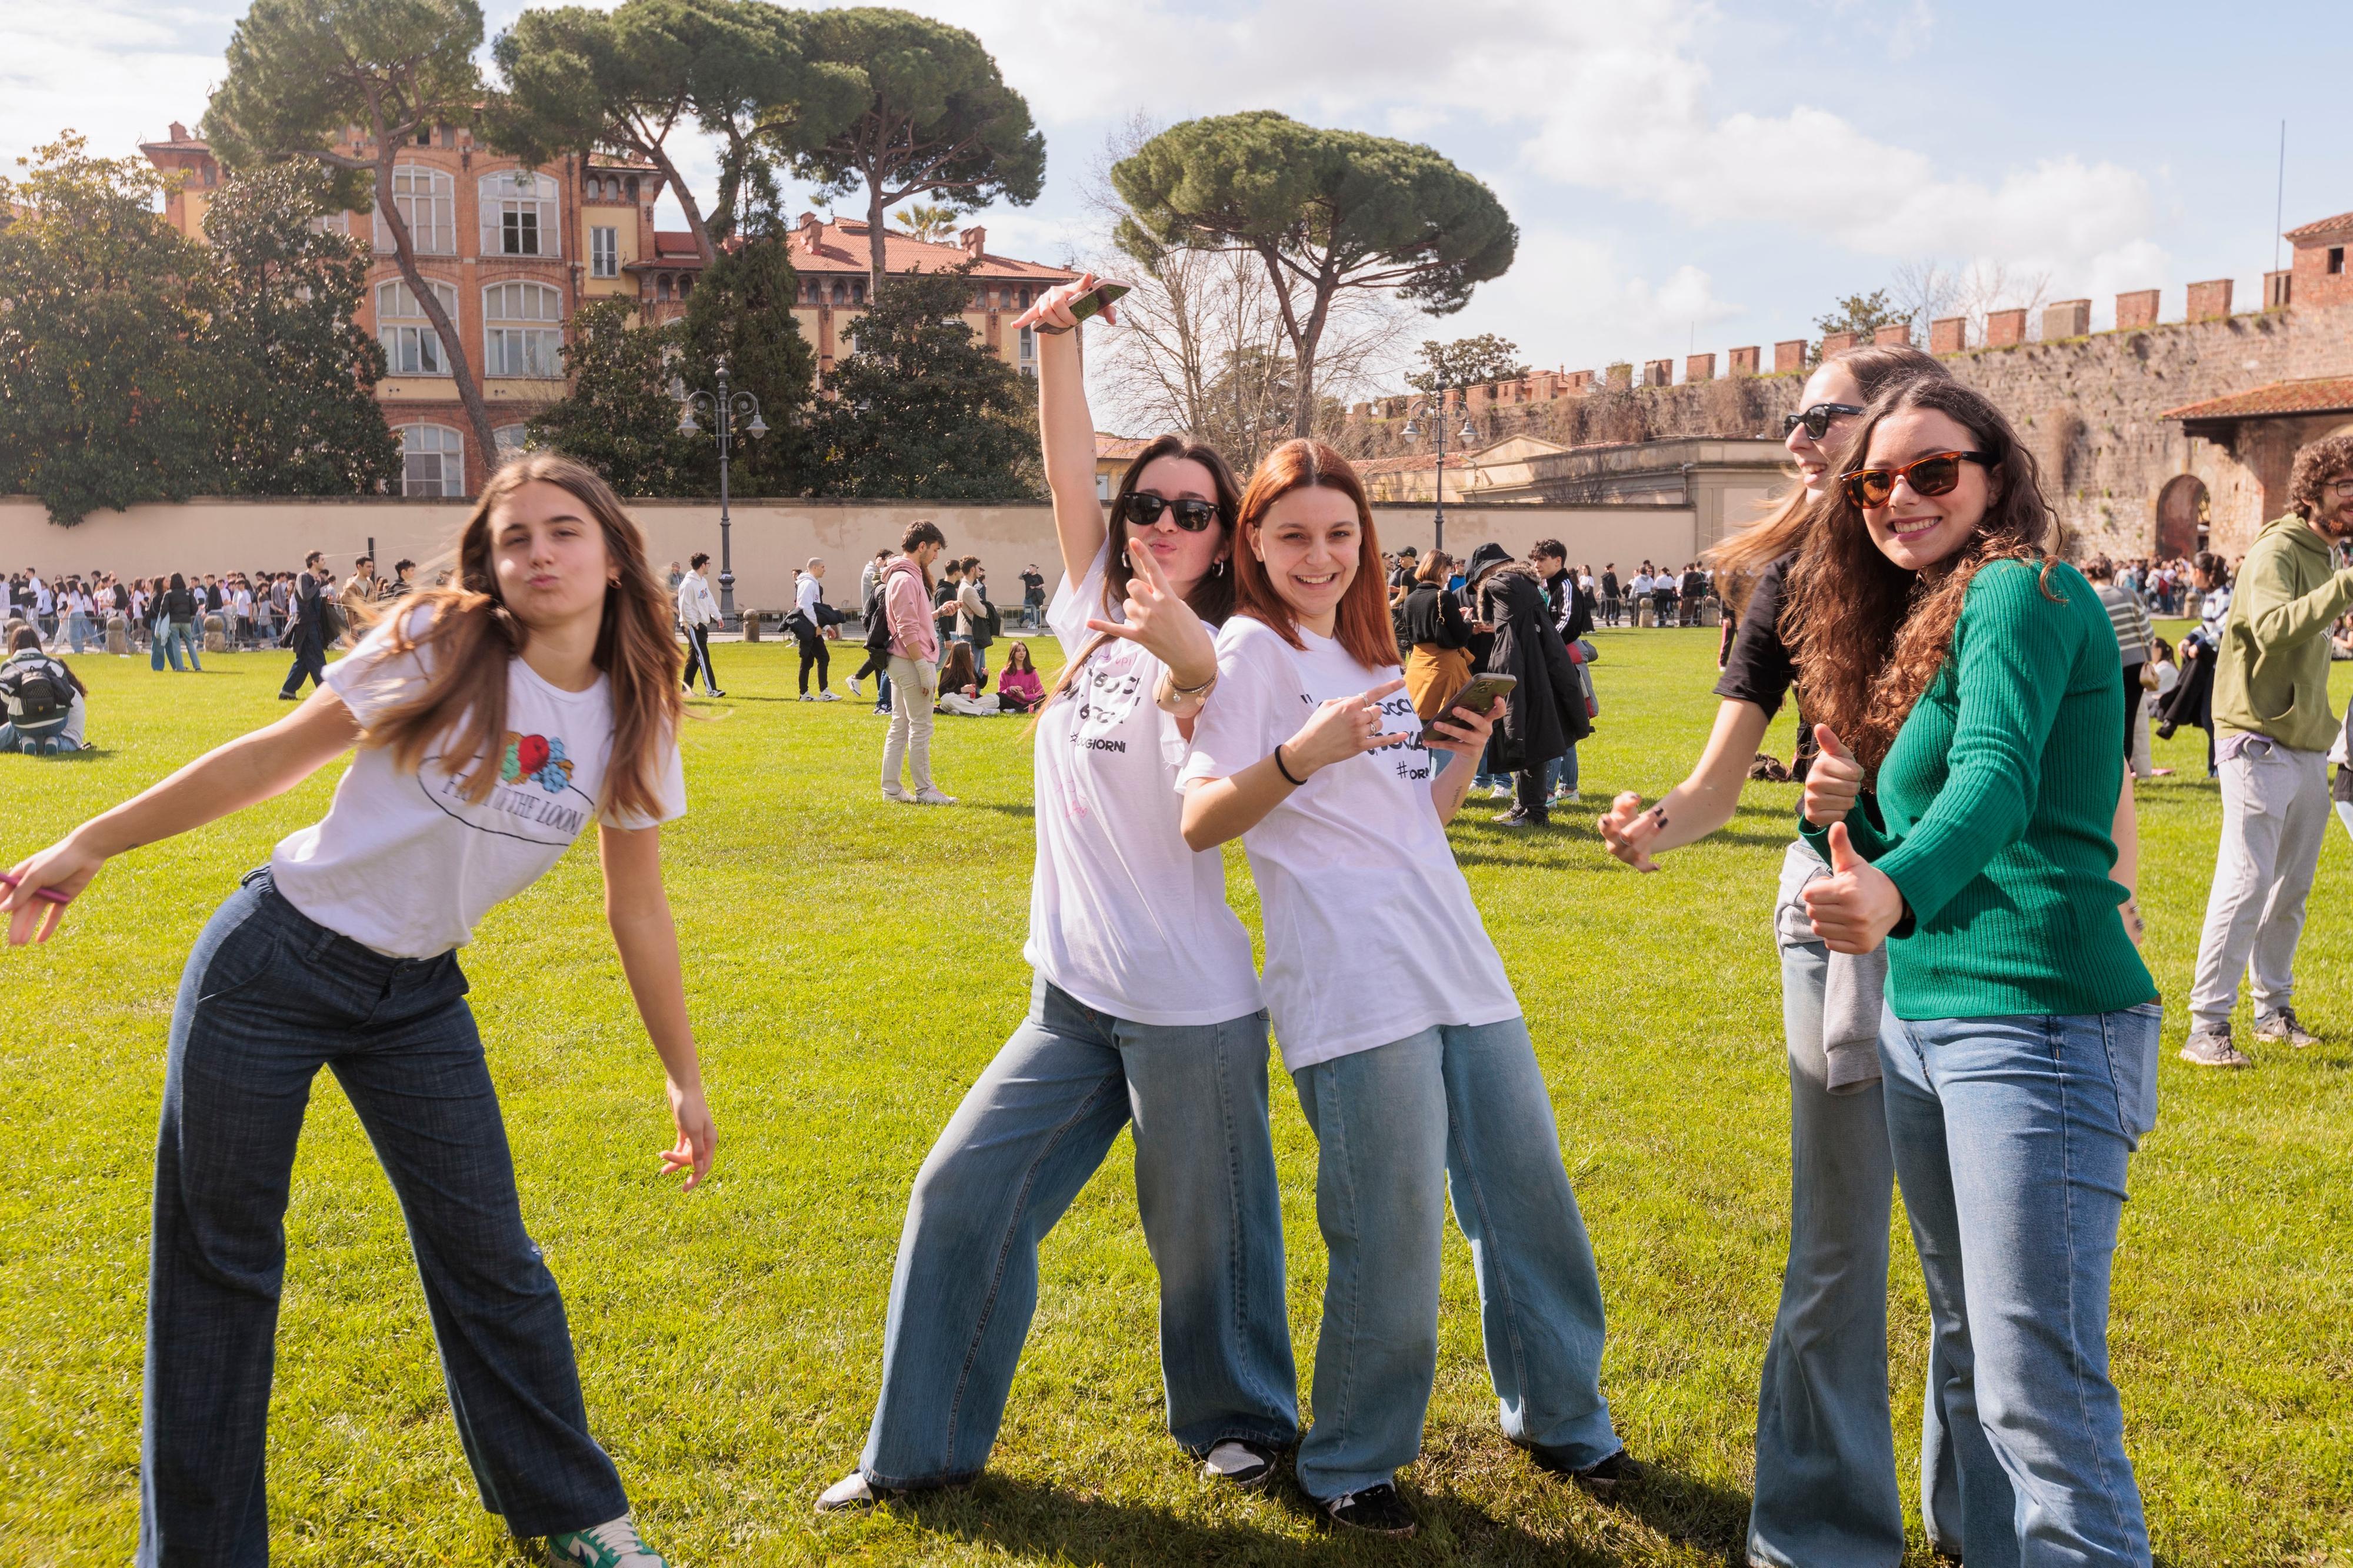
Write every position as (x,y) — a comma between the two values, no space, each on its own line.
(931,796)
(613,1544)
(807,697)
(853,684)
(899,794)
(826,696)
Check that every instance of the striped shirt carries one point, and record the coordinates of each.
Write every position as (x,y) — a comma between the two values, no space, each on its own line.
(2135,636)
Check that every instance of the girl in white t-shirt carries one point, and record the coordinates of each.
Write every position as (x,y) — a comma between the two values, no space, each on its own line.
(1146,1009)
(494,719)
(1398,1028)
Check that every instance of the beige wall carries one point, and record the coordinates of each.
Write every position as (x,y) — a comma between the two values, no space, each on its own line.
(770,538)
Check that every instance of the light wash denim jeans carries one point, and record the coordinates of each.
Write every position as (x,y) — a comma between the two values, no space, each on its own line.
(1826,1490)
(2012,1137)
(183,635)
(1466,1111)
(1029,1133)
(2274,818)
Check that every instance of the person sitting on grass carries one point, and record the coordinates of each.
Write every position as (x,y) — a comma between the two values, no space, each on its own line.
(961,686)
(494,721)
(1019,689)
(43,705)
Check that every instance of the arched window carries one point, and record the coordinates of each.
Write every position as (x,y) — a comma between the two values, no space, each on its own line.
(411,346)
(685,285)
(519,213)
(522,330)
(662,286)
(427,202)
(432,460)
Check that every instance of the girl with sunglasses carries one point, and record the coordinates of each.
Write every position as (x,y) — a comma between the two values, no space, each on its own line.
(1826,1489)
(1402,1036)
(1951,659)
(1144,1009)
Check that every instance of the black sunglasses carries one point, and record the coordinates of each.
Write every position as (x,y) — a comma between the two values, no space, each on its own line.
(1931,475)
(1817,419)
(1142,509)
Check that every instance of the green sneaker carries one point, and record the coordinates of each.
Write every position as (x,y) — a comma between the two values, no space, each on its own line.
(613,1544)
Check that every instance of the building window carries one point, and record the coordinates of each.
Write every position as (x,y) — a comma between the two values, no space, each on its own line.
(511,444)
(1103,487)
(521,334)
(432,460)
(411,346)
(519,213)
(425,136)
(2335,260)
(1028,347)
(662,286)
(427,202)
(686,286)
(604,253)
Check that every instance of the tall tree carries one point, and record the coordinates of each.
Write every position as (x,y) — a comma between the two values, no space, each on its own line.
(1467,361)
(302,72)
(741,312)
(296,376)
(935,116)
(1324,211)
(617,415)
(920,409)
(105,394)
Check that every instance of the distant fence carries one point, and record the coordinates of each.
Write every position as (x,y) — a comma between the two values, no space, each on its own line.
(770,538)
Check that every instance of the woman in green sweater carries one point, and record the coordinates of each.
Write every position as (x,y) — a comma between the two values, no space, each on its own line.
(1974,679)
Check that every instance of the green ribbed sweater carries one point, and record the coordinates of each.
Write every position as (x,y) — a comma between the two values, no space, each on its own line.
(1996,809)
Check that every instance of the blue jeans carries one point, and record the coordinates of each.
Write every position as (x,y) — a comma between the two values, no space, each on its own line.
(1825,1491)
(268,998)
(1561,772)
(2012,1137)
(182,634)
(1464,1111)
(1030,1135)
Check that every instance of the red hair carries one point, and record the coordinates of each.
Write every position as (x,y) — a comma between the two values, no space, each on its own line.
(1362,626)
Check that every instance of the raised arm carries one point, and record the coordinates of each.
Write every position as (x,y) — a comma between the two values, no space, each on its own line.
(228,778)
(1066,427)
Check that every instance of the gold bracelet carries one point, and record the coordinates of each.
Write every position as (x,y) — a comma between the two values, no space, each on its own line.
(1175,690)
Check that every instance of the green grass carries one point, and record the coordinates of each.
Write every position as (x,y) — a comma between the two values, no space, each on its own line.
(853,964)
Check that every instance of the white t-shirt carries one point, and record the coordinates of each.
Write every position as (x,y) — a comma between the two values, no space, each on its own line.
(402,862)
(1123,915)
(1371,935)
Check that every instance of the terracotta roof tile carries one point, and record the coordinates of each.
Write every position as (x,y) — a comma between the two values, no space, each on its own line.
(841,247)
(2327,394)
(1411,463)
(1123,448)
(2323,229)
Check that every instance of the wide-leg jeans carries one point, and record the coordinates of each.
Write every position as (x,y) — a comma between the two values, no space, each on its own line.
(269,998)
(2011,1136)
(1465,1110)
(1030,1133)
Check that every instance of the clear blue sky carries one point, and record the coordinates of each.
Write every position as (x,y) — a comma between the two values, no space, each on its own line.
(1682,174)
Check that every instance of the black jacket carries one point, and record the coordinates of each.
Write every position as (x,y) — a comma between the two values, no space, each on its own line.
(1547,707)
(1572,605)
(1430,615)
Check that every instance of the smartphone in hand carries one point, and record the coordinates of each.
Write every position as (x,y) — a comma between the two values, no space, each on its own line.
(1480,696)
(1096,297)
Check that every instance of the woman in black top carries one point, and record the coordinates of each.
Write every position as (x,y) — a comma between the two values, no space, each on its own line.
(1439,639)
(1546,714)
(1825,1486)
(179,615)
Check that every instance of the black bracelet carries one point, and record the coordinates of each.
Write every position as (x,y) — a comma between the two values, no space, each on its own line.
(1295,784)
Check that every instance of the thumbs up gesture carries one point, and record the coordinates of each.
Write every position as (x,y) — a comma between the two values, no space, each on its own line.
(1833,781)
(1854,907)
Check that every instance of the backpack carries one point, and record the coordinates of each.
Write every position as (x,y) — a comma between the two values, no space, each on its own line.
(38,694)
(878,619)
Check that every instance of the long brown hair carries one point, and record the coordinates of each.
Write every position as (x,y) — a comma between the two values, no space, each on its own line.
(1211,598)
(1740,559)
(1362,625)
(1869,635)
(472,636)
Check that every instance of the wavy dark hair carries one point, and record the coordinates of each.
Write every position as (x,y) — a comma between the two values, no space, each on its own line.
(1740,559)
(2318,464)
(1870,635)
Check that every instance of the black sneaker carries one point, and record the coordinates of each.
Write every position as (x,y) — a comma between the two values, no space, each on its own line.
(1602,1477)
(1520,816)
(1377,1511)
(1240,1462)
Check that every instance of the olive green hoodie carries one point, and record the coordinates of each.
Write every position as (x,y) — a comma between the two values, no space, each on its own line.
(2273,677)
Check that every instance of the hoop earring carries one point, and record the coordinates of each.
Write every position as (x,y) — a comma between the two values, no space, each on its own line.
(1219,569)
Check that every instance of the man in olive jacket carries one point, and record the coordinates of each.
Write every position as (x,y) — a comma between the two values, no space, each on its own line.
(2272,729)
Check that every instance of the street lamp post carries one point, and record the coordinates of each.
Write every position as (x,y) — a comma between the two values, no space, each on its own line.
(725,409)
(1435,405)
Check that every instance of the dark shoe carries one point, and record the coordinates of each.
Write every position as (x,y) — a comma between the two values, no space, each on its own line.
(1240,1462)
(1602,1477)
(1520,816)
(290,696)
(1377,1510)
(2283,1028)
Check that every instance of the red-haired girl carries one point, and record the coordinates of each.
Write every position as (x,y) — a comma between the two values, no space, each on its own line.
(495,718)
(1399,1030)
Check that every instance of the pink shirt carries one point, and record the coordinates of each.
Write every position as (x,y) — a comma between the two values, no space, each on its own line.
(914,634)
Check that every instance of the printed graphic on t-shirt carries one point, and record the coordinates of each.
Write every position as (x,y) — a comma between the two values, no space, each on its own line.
(1106,696)
(1411,763)
(534,798)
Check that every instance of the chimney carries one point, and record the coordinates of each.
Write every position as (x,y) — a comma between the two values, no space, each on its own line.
(1948,334)
(1789,356)
(976,240)
(1699,367)
(2137,309)
(807,232)
(1658,371)
(2069,319)
(1837,342)
(2208,300)
(1620,375)
(1896,333)
(1744,362)
(2005,329)
(179,132)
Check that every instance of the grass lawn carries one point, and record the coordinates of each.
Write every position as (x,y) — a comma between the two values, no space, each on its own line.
(852,965)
